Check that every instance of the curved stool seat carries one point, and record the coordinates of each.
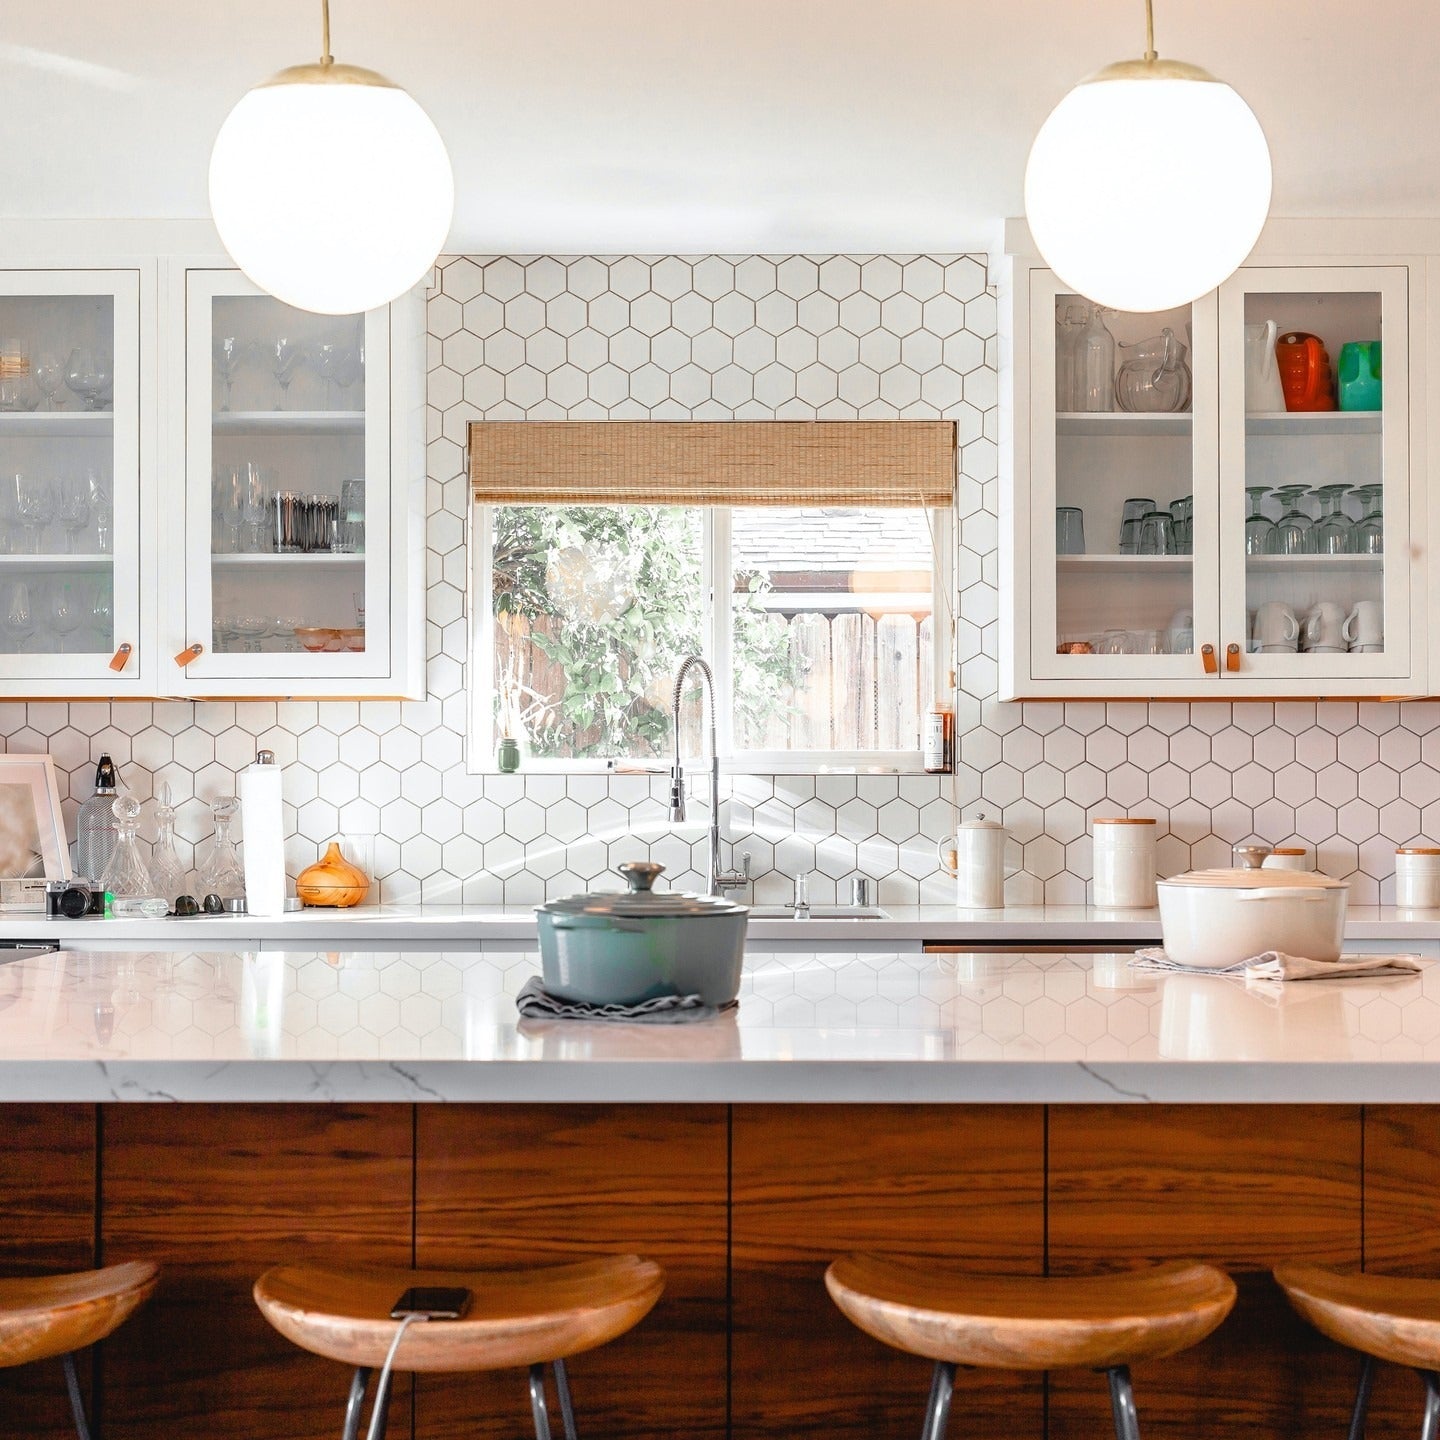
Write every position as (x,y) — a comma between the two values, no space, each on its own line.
(1006,1322)
(530,1317)
(47,1315)
(1384,1317)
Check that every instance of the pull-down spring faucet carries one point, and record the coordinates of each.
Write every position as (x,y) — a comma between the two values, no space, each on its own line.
(717,880)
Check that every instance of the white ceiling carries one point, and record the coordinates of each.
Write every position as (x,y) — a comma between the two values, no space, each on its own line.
(695,125)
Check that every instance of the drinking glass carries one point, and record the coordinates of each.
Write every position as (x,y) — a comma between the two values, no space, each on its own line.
(102,614)
(1114,642)
(253,509)
(1291,535)
(1135,507)
(14,371)
(72,508)
(352,516)
(352,367)
(283,356)
(86,376)
(50,379)
(1258,526)
(34,506)
(64,612)
(1183,509)
(229,356)
(1369,532)
(1145,642)
(103,506)
(329,359)
(1157,533)
(1069,530)
(1332,534)
(18,621)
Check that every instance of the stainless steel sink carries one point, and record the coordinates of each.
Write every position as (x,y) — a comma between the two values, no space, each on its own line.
(819,912)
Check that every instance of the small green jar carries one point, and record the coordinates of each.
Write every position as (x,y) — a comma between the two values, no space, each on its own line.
(507,757)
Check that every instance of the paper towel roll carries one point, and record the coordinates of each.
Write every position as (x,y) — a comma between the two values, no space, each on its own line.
(263,822)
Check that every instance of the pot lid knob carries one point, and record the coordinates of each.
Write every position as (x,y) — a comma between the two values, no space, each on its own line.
(640,875)
(1252,857)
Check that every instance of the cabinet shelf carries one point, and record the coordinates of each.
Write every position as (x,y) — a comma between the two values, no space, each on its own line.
(304,560)
(86,563)
(1330,564)
(1313,422)
(288,422)
(1121,422)
(1122,564)
(57,424)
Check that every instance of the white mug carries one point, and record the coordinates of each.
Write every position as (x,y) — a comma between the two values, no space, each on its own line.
(1365,624)
(1324,626)
(1275,624)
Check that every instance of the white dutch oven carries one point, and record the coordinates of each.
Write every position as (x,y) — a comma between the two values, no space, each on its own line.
(1214,918)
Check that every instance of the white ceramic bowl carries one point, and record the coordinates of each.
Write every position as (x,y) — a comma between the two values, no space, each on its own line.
(1214,918)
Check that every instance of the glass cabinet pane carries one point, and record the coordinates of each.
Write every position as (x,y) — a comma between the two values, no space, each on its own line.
(1324,518)
(288,456)
(288,499)
(1124,525)
(68,475)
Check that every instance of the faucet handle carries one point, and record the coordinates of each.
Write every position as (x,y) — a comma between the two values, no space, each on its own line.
(733,879)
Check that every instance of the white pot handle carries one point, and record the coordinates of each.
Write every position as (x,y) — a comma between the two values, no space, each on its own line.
(1289,893)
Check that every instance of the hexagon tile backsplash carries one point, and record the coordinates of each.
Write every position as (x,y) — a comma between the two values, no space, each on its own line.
(755,337)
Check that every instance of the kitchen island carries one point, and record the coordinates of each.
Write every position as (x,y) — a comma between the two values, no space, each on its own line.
(985,1109)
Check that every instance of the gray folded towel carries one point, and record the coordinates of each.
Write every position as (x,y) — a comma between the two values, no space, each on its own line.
(535,1002)
(1277,965)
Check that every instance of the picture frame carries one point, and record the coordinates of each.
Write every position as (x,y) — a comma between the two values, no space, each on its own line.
(32,828)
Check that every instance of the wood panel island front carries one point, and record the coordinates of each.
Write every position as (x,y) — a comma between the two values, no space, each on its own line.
(1026,1114)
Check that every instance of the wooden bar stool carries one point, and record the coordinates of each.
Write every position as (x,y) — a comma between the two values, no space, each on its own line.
(1004,1322)
(529,1317)
(51,1315)
(1383,1317)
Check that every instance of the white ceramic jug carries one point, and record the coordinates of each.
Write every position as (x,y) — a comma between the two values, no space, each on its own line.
(1263,390)
(978,862)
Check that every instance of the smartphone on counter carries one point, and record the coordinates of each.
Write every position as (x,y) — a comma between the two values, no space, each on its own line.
(438,1302)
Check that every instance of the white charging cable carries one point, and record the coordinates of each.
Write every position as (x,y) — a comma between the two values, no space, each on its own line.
(378,1409)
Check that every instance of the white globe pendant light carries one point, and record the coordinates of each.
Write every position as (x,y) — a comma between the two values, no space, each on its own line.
(330,186)
(1148,184)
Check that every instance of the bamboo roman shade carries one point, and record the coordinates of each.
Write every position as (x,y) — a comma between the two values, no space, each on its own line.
(743,462)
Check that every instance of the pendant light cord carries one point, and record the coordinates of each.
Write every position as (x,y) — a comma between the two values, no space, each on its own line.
(1149,28)
(326,58)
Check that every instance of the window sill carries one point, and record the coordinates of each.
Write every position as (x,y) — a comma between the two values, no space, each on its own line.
(886,762)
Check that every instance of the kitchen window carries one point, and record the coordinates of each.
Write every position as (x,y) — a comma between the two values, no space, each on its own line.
(813,597)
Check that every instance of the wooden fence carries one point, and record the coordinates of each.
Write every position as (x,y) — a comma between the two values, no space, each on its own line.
(856,682)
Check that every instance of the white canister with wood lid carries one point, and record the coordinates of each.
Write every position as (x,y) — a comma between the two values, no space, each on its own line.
(1417,877)
(1124,862)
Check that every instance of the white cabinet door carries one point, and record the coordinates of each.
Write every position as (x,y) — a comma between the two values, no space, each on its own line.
(1109,602)
(1316,514)
(73,548)
(293,522)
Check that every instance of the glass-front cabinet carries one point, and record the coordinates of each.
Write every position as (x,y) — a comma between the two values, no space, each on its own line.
(1214,500)
(287,505)
(71,549)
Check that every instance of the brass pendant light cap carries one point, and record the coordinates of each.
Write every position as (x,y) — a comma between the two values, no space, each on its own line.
(322,72)
(1151,69)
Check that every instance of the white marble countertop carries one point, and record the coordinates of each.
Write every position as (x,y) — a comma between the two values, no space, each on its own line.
(826,1025)
(487,925)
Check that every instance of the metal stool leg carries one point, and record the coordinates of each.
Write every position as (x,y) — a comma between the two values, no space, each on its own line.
(937,1412)
(1362,1399)
(382,1408)
(1430,1428)
(562,1387)
(537,1402)
(77,1402)
(1122,1404)
(356,1402)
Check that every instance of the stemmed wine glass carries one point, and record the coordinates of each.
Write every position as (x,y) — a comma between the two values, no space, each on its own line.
(329,359)
(34,505)
(252,489)
(229,356)
(72,508)
(283,356)
(64,614)
(103,507)
(50,379)
(1258,526)
(102,614)
(87,375)
(1332,534)
(18,621)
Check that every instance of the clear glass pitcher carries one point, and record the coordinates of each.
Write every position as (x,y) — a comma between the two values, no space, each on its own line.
(1153,375)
